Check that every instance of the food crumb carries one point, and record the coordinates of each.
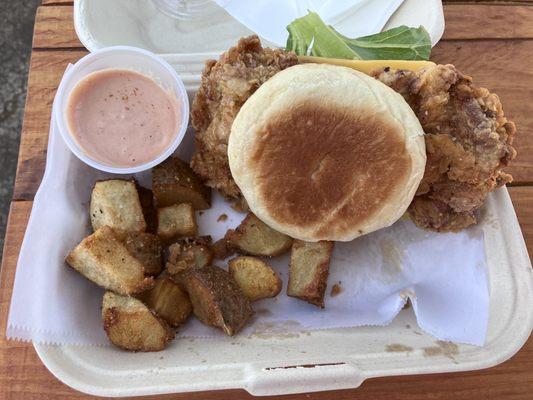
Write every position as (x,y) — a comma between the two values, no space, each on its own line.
(446,349)
(222,217)
(221,249)
(395,348)
(240,206)
(336,289)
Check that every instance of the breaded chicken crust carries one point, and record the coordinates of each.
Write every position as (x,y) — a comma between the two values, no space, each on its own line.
(226,85)
(468,142)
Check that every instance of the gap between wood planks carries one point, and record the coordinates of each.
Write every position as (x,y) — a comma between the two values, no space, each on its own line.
(458,41)
(491,2)
(504,2)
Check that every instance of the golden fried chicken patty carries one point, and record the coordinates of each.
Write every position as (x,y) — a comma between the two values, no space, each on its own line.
(226,85)
(468,142)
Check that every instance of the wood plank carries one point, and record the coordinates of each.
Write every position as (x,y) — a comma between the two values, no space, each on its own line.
(54,27)
(475,21)
(501,67)
(23,376)
(57,2)
(498,65)
(481,2)
(46,70)
(523,203)
(70,2)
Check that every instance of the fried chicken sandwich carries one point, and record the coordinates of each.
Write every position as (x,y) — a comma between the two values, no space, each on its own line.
(468,140)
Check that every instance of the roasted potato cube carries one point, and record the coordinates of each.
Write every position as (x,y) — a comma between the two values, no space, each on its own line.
(173,181)
(129,324)
(176,221)
(189,253)
(308,271)
(168,300)
(146,198)
(222,249)
(216,298)
(255,238)
(256,279)
(103,259)
(116,203)
(146,248)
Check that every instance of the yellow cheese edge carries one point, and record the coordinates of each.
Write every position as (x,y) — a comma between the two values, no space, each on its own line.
(367,66)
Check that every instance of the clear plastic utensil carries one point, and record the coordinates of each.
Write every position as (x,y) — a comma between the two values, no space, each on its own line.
(187,9)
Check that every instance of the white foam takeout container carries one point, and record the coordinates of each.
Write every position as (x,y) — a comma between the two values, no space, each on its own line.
(272,365)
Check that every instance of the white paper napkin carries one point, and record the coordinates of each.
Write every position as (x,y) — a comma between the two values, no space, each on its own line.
(443,274)
(352,18)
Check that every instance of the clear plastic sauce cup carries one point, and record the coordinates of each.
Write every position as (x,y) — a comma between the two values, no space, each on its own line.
(129,58)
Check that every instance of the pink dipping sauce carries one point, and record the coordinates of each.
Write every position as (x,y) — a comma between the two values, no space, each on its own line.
(122,118)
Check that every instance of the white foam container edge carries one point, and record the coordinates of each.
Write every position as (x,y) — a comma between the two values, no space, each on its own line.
(315,361)
(157,32)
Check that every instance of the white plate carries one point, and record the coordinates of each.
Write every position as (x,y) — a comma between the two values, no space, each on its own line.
(186,45)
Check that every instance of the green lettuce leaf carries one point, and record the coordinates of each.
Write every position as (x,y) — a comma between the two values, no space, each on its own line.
(309,35)
(401,43)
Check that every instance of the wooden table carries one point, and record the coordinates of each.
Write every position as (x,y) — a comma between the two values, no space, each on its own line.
(492,41)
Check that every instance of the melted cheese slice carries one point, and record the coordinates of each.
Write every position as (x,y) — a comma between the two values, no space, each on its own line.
(367,66)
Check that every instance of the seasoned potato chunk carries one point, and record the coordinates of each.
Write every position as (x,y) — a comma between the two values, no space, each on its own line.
(103,259)
(216,298)
(129,324)
(176,221)
(308,271)
(189,253)
(222,249)
(168,301)
(116,203)
(256,279)
(146,198)
(255,238)
(146,248)
(173,181)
